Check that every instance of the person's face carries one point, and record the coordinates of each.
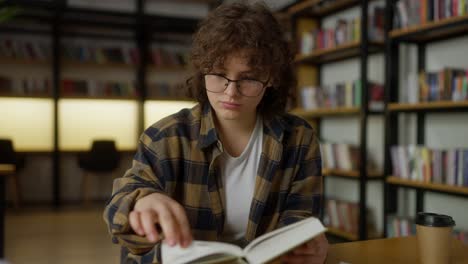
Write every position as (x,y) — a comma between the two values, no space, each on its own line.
(229,102)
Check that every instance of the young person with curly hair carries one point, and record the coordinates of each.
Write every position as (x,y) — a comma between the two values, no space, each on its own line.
(236,165)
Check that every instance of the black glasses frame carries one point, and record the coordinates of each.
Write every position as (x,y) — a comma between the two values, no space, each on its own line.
(264,84)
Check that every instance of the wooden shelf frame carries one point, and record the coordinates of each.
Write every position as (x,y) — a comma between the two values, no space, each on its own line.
(320,8)
(23,61)
(432,30)
(7,169)
(322,112)
(353,174)
(429,106)
(66,63)
(13,95)
(341,233)
(103,97)
(438,187)
(153,68)
(338,53)
(168,98)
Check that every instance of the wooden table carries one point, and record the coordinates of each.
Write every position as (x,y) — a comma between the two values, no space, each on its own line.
(391,250)
(5,169)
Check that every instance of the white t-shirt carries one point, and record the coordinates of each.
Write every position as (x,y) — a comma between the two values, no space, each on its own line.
(238,175)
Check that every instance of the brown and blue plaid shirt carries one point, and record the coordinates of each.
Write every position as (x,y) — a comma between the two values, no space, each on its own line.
(178,156)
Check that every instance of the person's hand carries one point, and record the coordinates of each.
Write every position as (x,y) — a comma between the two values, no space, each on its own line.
(160,209)
(312,252)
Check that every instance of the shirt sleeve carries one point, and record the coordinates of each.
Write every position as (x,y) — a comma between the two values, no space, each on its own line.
(142,179)
(305,196)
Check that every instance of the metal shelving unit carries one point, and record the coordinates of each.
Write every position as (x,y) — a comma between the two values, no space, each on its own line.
(421,35)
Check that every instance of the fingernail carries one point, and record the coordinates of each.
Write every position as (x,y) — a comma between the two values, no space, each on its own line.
(151,238)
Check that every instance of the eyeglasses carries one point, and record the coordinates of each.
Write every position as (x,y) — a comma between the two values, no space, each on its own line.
(217,83)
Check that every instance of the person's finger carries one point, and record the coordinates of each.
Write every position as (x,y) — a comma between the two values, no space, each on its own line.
(148,220)
(306,250)
(168,225)
(135,223)
(181,217)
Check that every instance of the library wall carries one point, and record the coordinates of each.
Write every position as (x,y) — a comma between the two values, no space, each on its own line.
(346,129)
(445,131)
(78,125)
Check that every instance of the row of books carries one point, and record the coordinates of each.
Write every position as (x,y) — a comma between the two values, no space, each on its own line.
(37,50)
(348,94)
(30,86)
(70,87)
(25,86)
(398,226)
(340,156)
(418,12)
(344,32)
(159,56)
(162,57)
(101,55)
(165,89)
(420,163)
(344,157)
(21,49)
(342,215)
(448,84)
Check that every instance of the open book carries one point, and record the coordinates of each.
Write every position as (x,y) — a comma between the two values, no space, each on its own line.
(264,248)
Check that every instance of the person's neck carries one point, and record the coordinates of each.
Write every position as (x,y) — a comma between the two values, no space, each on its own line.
(234,134)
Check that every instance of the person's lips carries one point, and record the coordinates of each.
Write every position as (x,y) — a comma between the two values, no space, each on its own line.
(230,105)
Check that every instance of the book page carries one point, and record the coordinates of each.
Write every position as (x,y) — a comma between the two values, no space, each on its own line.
(276,243)
(197,250)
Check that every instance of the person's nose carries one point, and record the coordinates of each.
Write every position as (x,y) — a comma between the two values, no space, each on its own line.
(231,89)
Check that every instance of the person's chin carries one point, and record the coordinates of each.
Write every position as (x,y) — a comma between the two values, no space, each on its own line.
(229,114)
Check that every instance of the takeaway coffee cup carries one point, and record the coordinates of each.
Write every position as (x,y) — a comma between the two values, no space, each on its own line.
(434,235)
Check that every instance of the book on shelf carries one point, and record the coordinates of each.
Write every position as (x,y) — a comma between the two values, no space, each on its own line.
(94,88)
(26,86)
(342,215)
(261,250)
(100,54)
(398,226)
(22,49)
(343,157)
(345,31)
(420,163)
(166,89)
(347,94)
(448,84)
(165,57)
(418,12)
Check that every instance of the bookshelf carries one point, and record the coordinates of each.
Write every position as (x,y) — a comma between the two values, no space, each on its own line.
(340,52)
(322,112)
(420,35)
(433,30)
(318,8)
(437,187)
(428,106)
(373,175)
(57,21)
(307,16)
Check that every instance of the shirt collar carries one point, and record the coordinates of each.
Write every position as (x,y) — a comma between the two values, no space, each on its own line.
(273,127)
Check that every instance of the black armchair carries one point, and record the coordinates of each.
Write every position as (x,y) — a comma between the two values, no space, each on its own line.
(9,156)
(102,158)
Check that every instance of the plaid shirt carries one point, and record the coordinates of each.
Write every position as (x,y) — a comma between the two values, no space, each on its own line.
(178,156)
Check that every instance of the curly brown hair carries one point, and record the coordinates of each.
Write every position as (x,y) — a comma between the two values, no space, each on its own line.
(238,27)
